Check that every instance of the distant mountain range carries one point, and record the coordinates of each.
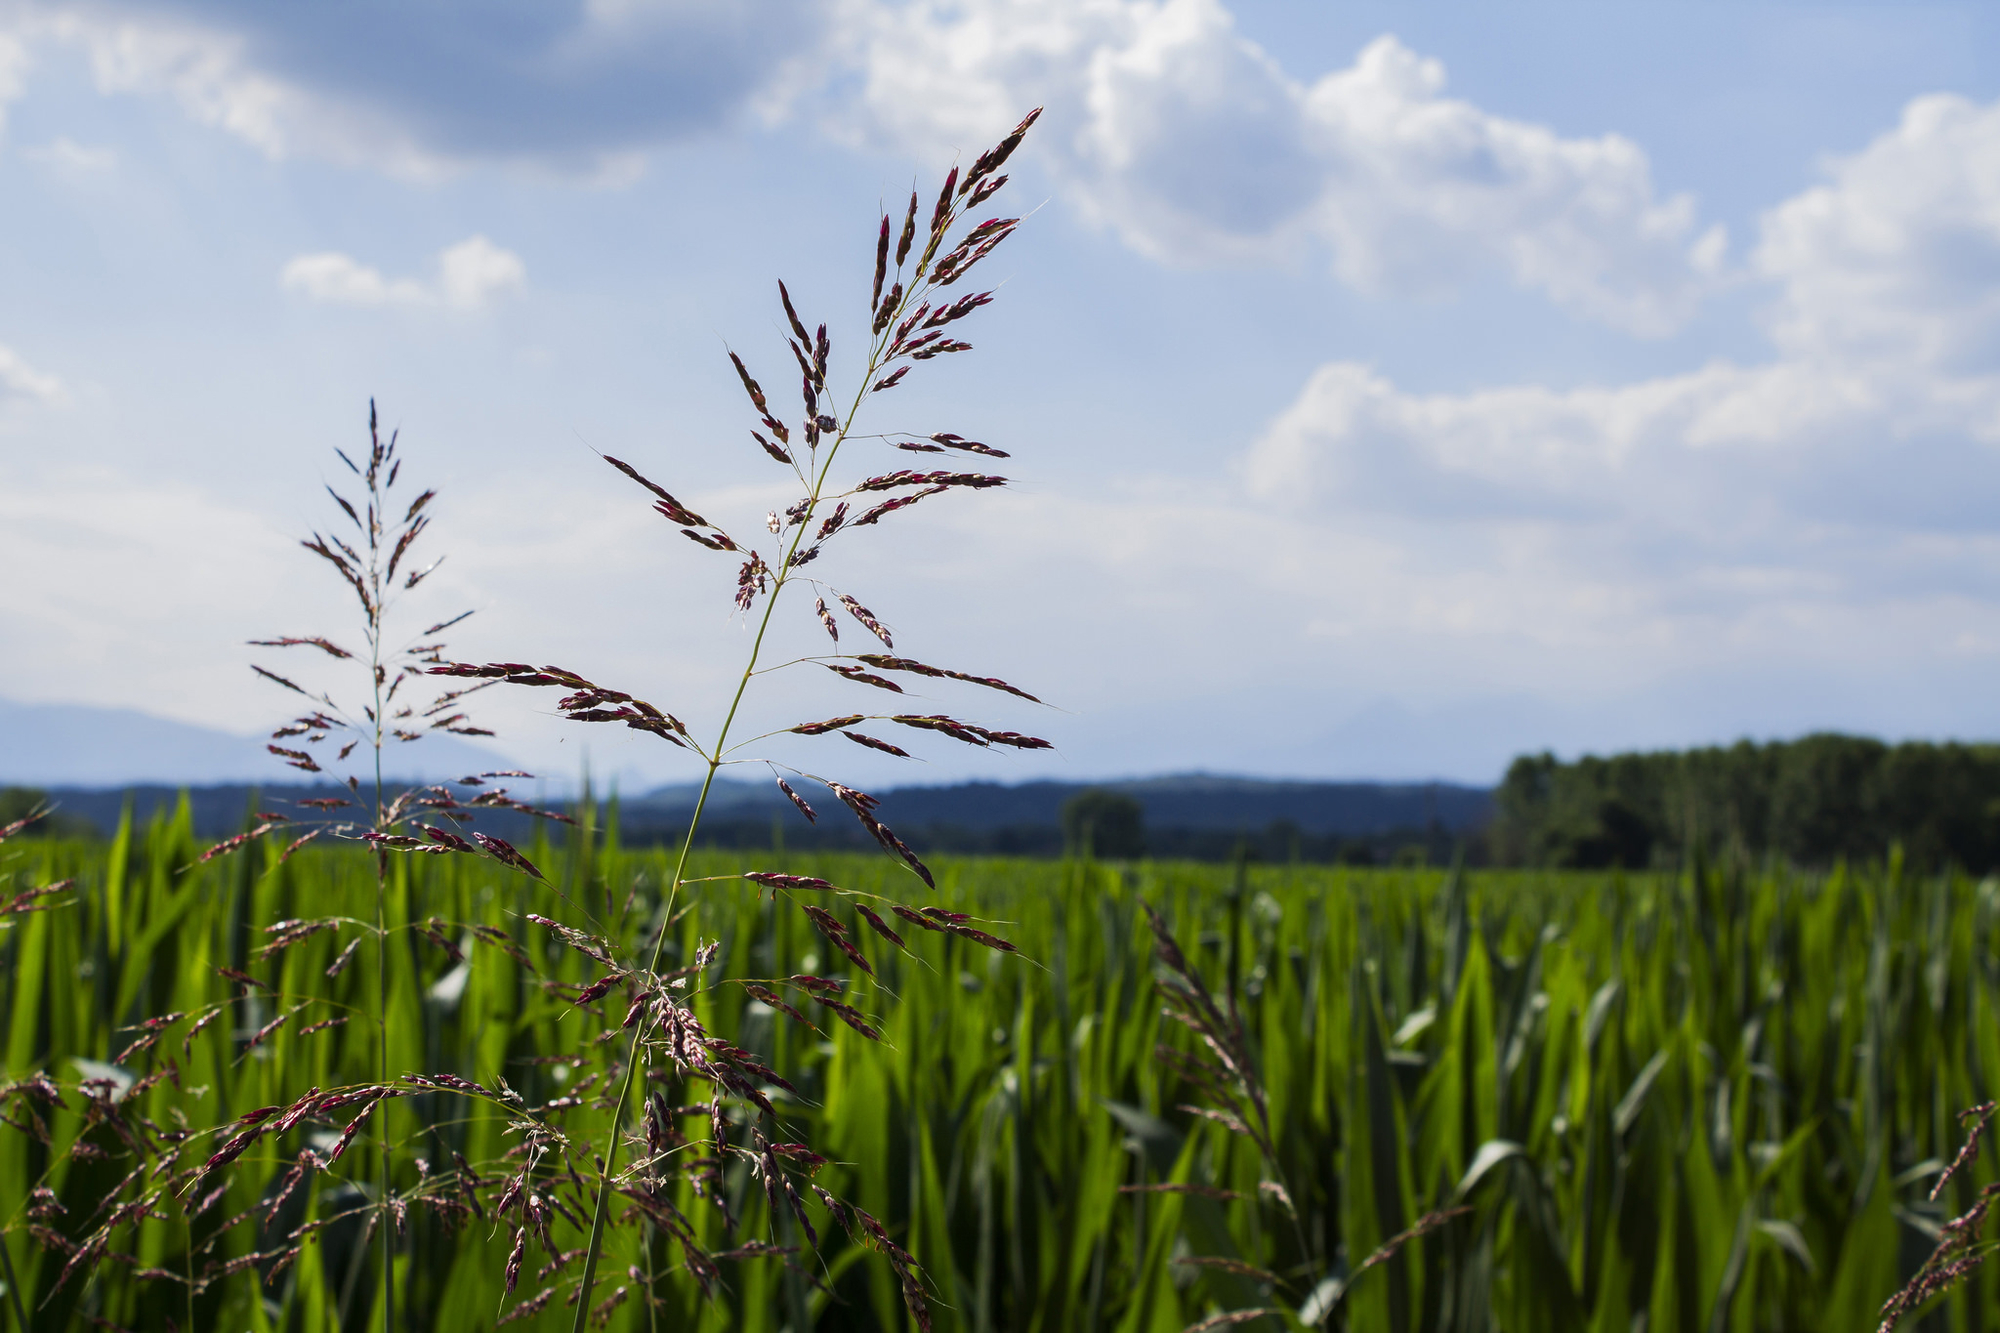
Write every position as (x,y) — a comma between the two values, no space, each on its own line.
(74,745)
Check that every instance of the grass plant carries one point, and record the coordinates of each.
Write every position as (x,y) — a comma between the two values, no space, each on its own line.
(670,1042)
(1717,1100)
(380,546)
(353,707)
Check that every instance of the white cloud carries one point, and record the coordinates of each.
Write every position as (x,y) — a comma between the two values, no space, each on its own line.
(1841,485)
(19,380)
(339,279)
(204,71)
(1166,125)
(469,275)
(211,73)
(67,157)
(13,72)
(1320,609)
(1195,146)
(476,270)
(1897,257)
(1667,446)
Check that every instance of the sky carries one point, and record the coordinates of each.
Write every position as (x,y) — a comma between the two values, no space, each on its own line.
(1389,389)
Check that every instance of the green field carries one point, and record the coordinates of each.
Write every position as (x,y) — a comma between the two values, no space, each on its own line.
(1714,1100)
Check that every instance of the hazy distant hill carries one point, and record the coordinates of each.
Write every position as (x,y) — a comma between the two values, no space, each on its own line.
(1189,814)
(1190,800)
(1193,814)
(1205,801)
(74,745)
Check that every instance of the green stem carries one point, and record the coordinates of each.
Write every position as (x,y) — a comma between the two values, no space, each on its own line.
(779,576)
(13,1285)
(381,911)
(598,1212)
(382,1064)
(659,946)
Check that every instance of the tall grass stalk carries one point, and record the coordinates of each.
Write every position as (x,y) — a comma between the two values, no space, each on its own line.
(909,323)
(381,545)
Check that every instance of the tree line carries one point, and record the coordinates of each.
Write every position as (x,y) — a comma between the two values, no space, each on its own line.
(1812,801)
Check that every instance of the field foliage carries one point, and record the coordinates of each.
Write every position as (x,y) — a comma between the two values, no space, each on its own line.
(1716,1100)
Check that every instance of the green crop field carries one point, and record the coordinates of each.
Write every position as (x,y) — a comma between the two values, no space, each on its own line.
(1695,1102)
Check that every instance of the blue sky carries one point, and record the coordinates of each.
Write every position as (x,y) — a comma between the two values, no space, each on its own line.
(1390,388)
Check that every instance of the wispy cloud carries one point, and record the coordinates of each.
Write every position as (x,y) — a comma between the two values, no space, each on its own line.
(469,275)
(67,157)
(21,381)
(13,70)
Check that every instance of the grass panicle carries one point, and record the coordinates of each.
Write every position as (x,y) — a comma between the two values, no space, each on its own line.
(360,701)
(668,1040)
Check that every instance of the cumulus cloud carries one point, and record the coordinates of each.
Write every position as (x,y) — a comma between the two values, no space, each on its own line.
(20,381)
(1850,473)
(1195,146)
(469,275)
(1166,125)
(1896,258)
